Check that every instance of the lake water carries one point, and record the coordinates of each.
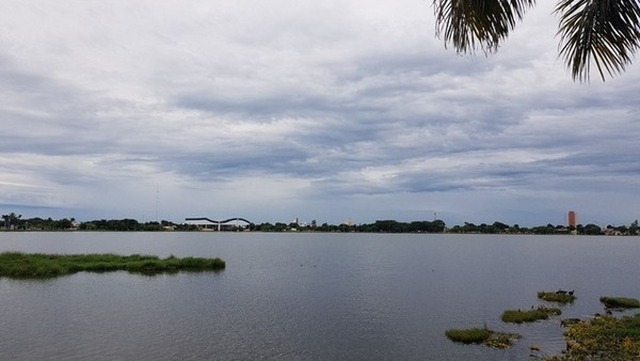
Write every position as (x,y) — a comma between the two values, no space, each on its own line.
(306,296)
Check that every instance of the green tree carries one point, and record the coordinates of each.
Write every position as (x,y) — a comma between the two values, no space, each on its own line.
(11,220)
(633,228)
(469,228)
(279,227)
(601,32)
(592,229)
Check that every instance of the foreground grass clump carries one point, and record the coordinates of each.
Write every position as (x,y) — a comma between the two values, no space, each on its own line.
(603,338)
(559,297)
(519,316)
(620,302)
(482,335)
(38,265)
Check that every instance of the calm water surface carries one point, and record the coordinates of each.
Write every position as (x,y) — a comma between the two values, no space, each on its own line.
(306,296)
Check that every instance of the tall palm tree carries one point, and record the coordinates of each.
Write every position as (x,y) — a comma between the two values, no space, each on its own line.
(10,220)
(601,32)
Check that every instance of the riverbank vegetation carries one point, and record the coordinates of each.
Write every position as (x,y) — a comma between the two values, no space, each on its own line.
(532,315)
(38,265)
(482,335)
(620,302)
(557,296)
(602,338)
(15,222)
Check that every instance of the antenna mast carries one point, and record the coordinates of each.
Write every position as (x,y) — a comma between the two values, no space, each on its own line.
(157,199)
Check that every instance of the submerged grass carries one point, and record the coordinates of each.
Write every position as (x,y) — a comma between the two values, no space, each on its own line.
(479,335)
(502,339)
(39,265)
(520,316)
(620,302)
(558,297)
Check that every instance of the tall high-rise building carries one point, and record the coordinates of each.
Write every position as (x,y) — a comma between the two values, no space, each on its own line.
(573,219)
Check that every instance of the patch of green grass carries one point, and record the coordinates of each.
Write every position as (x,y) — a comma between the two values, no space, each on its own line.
(620,302)
(38,265)
(556,297)
(469,335)
(520,316)
(479,335)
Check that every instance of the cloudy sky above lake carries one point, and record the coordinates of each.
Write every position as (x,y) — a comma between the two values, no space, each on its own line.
(330,110)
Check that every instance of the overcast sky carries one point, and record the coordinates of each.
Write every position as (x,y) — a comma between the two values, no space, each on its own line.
(327,110)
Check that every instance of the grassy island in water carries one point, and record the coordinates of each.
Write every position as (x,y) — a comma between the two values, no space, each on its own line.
(482,335)
(38,265)
(620,302)
(561,297)
(532,315)
(600,338)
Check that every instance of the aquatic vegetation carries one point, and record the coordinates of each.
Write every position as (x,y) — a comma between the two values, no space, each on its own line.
(532,315)
(620,302)
(38,265)
(565,322)
(557,296)
(502,339)
(468,335)
(479,335)
(603,338)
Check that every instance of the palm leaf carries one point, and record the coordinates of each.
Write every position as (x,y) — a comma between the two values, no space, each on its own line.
(477,24)
(603,32)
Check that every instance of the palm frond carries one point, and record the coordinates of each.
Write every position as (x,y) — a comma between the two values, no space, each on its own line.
(603,32)
(477,24)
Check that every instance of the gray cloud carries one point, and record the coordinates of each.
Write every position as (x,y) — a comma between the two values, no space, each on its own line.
(326,111)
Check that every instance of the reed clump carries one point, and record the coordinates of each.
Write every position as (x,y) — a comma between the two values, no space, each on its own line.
(532,315)
(479,335)
(559,297)
(620,302)
(468,335)
(39,265)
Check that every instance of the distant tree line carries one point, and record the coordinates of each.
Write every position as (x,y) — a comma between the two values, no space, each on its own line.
(15,222)
(382,226)
(589,229)
(131,225)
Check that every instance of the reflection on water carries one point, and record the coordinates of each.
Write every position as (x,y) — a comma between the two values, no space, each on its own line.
(305,296)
